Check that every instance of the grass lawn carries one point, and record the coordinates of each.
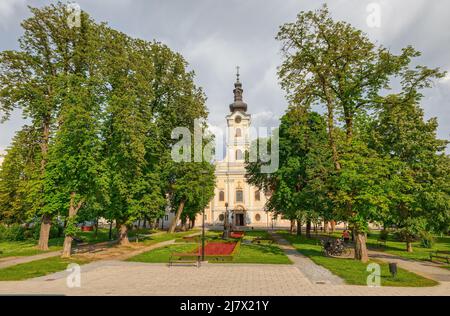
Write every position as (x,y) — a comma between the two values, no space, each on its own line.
(163,254)
(37,268)
(247,253)
(163,236)
(28,247)
(399,248)
(353,271)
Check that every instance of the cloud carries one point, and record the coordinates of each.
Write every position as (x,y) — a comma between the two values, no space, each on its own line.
(215,36)
(8,9)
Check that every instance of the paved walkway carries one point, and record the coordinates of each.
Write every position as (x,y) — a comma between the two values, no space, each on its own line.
(315,273)
(135,278)
(17,260)
(424,268)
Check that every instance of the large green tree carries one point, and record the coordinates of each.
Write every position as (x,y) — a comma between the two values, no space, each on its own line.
(419,194)
(18,173)
(29,79)
(335,65)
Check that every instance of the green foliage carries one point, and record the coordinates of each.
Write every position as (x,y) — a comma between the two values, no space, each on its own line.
(19,174)
(14,232)
(427,239)
(55,231)
(102,107)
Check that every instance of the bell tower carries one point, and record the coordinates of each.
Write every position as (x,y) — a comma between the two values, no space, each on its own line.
(238,123)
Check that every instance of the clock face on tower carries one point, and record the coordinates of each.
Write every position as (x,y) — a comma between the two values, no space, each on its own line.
(237,119)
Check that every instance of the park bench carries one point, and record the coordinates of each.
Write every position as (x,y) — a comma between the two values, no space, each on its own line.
(381,243)
(184,259)
(87,247)
(142,237)
(261,240)
(445,255)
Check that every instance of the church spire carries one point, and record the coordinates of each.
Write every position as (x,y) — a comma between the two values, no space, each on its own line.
(238,104)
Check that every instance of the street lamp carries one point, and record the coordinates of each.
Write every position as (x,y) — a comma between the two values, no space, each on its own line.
(225,223)
(203,172)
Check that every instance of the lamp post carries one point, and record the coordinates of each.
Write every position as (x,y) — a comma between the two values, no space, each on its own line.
(204,172)
(225,223)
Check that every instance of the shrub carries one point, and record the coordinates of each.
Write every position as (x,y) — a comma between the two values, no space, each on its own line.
(383,236)
(426,239)
(55,231)
(15,232)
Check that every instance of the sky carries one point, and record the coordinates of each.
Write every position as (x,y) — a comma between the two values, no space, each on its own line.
(216,36)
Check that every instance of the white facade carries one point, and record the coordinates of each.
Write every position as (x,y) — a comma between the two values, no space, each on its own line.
(246,204)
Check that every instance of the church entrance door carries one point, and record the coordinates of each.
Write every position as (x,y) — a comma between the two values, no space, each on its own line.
(240,219)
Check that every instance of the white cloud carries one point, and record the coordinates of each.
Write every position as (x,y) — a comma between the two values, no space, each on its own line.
(8,8)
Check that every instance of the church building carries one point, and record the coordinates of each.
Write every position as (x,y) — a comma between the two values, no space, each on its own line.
(244,202)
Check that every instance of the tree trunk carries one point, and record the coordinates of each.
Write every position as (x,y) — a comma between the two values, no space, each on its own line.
(292,228)
(409,247)
(308,228)
(360,247)
(332,225)
(175,220)
(73,210)
(46,221)
(183,224)
(110,229)
(193,223)
(67,248)
(44,233)
(145,222)
(325,227)
(96,228)
(123,235)
(299,228)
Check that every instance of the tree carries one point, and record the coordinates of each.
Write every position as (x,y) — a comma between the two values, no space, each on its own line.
(335,65)
(192,187)
(18,173)
(49,48)
(299,187)
(418,164)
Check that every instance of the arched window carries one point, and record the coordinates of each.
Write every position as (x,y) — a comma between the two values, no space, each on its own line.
(238,132)
(221,196)
(221,217)
(239,196)
(257,195)
(257,217)
(239,155)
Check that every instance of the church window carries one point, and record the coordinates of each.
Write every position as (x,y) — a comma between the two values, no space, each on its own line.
(239,155)
(257,195)
(237,119)
(238,132)
(257,217)
(221,196)
(239,196)
(221,217)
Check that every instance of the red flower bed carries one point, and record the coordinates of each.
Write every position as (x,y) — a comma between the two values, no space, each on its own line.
(237,234)
(218,248)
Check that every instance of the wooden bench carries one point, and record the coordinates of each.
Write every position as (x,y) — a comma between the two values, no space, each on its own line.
(381,243)
(260,240)
(87,247)
(185,258)
(445,255)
